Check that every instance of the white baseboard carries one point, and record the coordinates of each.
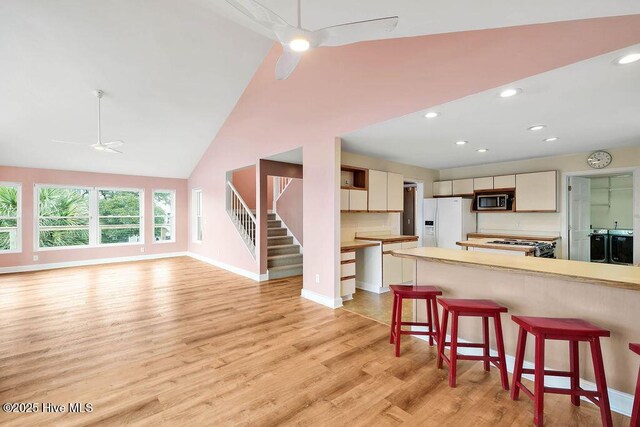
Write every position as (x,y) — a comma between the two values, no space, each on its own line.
(370,287)
(240,271)
(620,402)
(321,299)
(82,263)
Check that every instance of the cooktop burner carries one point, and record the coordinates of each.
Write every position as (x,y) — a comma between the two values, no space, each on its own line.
(516,242)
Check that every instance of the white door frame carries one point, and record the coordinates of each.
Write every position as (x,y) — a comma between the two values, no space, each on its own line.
(635,171)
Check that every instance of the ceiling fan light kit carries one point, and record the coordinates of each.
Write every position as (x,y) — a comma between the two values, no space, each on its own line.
(296,40)
(107,147)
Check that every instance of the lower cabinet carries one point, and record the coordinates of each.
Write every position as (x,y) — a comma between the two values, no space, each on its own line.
(408,265)
(396,270)
(347,274)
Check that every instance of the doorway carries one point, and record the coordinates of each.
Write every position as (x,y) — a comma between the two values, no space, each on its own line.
(409,210)
(602,217)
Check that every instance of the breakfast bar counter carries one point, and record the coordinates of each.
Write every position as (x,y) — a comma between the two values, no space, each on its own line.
(606,295)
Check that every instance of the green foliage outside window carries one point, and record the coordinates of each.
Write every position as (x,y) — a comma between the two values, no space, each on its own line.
(8,217)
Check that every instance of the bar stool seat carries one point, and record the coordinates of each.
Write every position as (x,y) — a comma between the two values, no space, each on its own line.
(472,308)
(574,331)
(635,413)
(423,292)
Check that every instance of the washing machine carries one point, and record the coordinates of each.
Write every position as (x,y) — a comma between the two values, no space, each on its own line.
(600,245)
(621,246)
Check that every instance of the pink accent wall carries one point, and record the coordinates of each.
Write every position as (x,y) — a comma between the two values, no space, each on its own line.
(336,90)
(289,208)
(244,180)
(29,177)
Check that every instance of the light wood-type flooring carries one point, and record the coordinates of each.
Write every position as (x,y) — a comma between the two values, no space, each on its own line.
(178,342)
(377,306)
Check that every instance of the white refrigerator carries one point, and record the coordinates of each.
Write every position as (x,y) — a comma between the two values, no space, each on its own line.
(447,220)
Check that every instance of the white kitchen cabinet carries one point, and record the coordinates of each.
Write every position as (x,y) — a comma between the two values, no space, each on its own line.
(537,192)
(347,287)
(357,200)
(391,270)
(485,183)
(443,188)
(377,191)
(344,200)
(408,265)
(395,192)
(504,181)
(462,187)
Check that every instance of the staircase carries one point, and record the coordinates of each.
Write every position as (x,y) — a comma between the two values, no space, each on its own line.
(283,255)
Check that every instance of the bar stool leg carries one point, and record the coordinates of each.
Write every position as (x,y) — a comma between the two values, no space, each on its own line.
(443,337)
(430,322)
(453,354)
(538,386)
(517,368)
(398,324)
(485,342)
(501,357)
(574,367)
(635,413)
(393,318)
(436,321)
(601,382)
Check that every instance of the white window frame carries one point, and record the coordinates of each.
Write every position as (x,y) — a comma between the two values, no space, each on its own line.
(197,193)
(173,216)
(94,235)
(96,229)
(18,248)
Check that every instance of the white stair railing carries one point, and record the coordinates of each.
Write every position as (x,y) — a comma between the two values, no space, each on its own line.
(242,217)
(279,184)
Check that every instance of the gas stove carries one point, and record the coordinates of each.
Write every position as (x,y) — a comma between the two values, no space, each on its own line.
(542,249)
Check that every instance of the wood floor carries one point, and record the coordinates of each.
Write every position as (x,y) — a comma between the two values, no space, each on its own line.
(178,342)
(377,306)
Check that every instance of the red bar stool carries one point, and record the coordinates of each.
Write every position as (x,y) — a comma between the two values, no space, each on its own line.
(635,414)
(572,330)
(472,308)
(427,293)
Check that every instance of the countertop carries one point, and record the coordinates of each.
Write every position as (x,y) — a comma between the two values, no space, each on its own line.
(484,243)
(617,276)
(511,236)
(388,238)
(356,244)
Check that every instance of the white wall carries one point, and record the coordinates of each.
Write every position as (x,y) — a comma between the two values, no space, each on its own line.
(540,223)
(611,201)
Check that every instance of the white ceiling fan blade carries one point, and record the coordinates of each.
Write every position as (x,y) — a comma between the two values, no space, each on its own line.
(262,15)
(112,150)
(67,142)
(354,32)
(113,144)
(287,63)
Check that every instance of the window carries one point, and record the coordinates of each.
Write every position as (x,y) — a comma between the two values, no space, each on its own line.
(119,216)
(197,215)
(10,218)
(164,216)
(63,217)
(70,217)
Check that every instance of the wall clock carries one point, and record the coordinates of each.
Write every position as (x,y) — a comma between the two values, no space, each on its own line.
(599,159)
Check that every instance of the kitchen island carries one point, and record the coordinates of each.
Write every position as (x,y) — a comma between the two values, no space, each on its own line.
(607,295)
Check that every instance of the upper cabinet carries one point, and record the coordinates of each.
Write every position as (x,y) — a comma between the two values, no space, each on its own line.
(443,188)
(377,191)
(395,192)
(353,189)
(485,183)
(463,187)
(504,181)
(537,192)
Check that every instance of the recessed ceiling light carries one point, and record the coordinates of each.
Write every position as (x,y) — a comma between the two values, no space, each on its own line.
(537,127)
(551,139)
(507,93)
(628,59)
(482,150)
(431,115)
(299,45)
(461,142)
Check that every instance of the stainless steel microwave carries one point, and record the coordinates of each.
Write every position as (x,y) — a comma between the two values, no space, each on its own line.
(493,202)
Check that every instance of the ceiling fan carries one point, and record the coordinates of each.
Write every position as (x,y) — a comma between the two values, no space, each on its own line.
(108,147)
(295,39)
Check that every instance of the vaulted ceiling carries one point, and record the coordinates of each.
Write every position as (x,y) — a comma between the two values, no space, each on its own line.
(173,70)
